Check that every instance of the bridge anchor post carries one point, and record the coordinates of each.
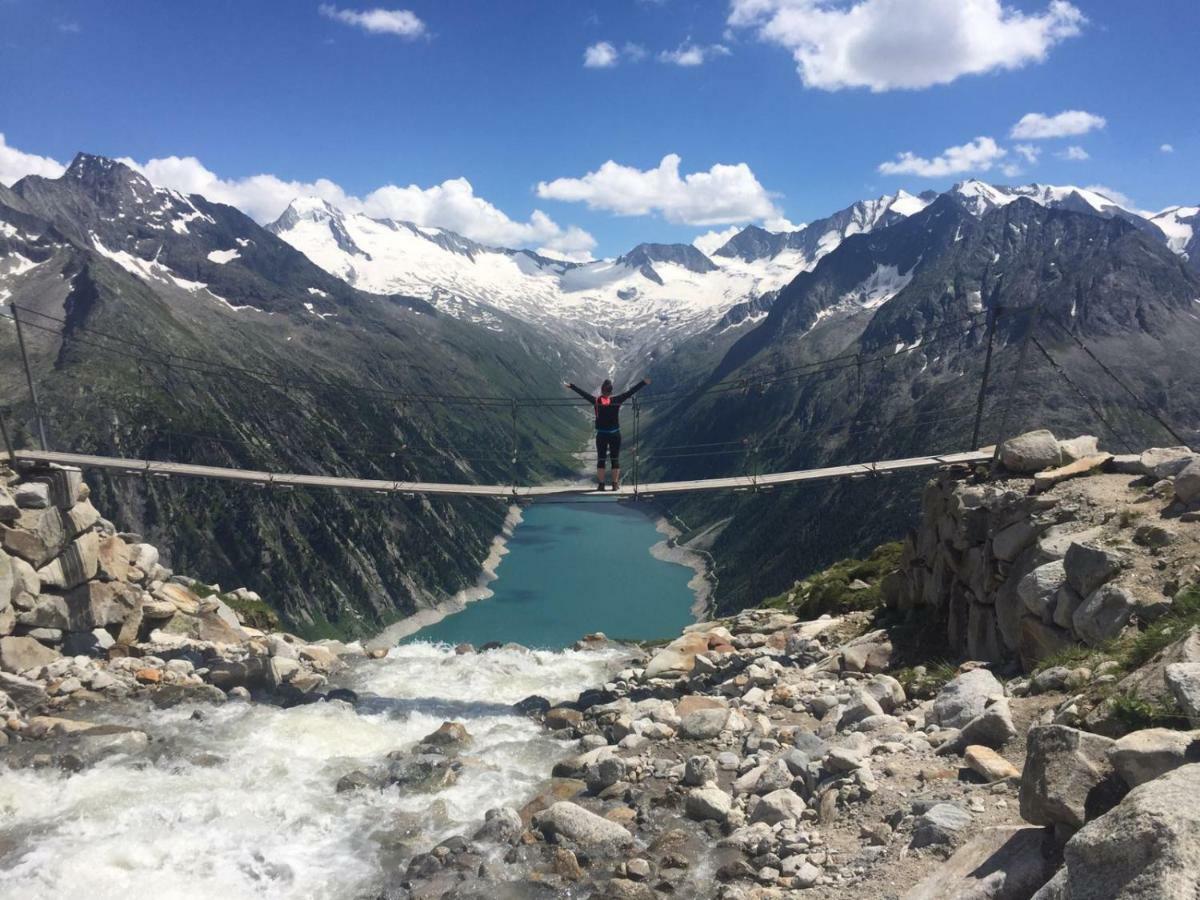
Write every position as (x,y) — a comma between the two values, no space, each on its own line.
(33,395)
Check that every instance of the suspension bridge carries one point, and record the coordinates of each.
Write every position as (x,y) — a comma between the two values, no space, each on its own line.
(634,488)
(740,483)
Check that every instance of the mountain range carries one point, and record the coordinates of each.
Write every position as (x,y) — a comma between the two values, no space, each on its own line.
(323,303)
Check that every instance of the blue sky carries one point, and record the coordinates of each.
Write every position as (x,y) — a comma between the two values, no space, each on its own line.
(465,108)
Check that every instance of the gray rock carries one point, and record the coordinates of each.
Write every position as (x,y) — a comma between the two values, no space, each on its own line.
(1090,565)
(24,693)
(1103,615)
(992,728)
(840,760)
(1009,542)
(1166,462)
(1068,777)
(703,724)
(1187,483)
(1142,756)
(1079,447)
(939,825)
(778,806)
(1066,601)
(1004,863)
(605,772)
(1031,452)
(569,820)
(17,654)
(708,803)
(698,770)
(1147,848)
(1039,589)
(861,707)
(79,562)
(1183,679)
(32,495)
(501,825)
(964,698)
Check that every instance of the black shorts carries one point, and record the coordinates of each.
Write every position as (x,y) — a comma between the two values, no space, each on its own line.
(608,445)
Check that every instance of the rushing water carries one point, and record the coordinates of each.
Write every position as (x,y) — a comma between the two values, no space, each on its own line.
(241,803)
(573,569)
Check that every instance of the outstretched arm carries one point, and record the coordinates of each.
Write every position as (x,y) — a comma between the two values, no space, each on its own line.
(621,398)
(582,393)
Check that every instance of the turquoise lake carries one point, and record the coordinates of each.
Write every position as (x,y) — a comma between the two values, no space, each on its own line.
(573,569)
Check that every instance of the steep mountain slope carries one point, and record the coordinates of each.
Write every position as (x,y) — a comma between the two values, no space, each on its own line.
(180,329)
(622,311)
(903,311)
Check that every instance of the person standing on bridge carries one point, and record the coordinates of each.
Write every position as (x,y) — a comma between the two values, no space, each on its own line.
(608,427)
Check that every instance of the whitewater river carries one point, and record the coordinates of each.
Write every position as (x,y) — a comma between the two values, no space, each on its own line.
(241,804)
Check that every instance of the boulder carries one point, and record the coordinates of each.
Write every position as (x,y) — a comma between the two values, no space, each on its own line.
(1142,756)
(1187,483)
(703,724)
(449,735)
(569,820)
(964,698)
(678,657)
(8,505)
(867,656)
(1103,615)
(501,825)
(1039,589)
(1066,601)
(778,806)
(1080,447)
(80,518)
(99,604)
(1002,863)
(988,764)
(1089,565)
(36,536)
(1031,452)
(1009,542)
(1183,679)
(24,693)
(992,728)
(1068,777)
(708,803)
(699,770)
(604,773)
(1037,640)
(18,654)
(1148,846)
(32,495)
(79,562)
(113,558)
(1166,462)
(939,824)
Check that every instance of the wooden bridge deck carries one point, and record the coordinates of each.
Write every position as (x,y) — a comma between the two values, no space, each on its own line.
(738,483)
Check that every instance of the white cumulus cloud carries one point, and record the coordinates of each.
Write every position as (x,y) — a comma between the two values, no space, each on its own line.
(402,22)
(601,55)
(1074,153)
(978,155)
(1070,123)
(16,164)
(606,55)
(897,44)
(1167,148)
(688,54)
(720,196)
(1028,152)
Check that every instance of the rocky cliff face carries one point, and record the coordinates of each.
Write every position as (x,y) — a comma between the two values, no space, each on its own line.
(1025,568)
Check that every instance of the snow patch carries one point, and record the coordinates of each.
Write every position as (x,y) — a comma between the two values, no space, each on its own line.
(223,256)
(883,284)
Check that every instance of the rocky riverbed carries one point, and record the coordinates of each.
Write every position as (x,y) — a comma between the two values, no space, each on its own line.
(760,756)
